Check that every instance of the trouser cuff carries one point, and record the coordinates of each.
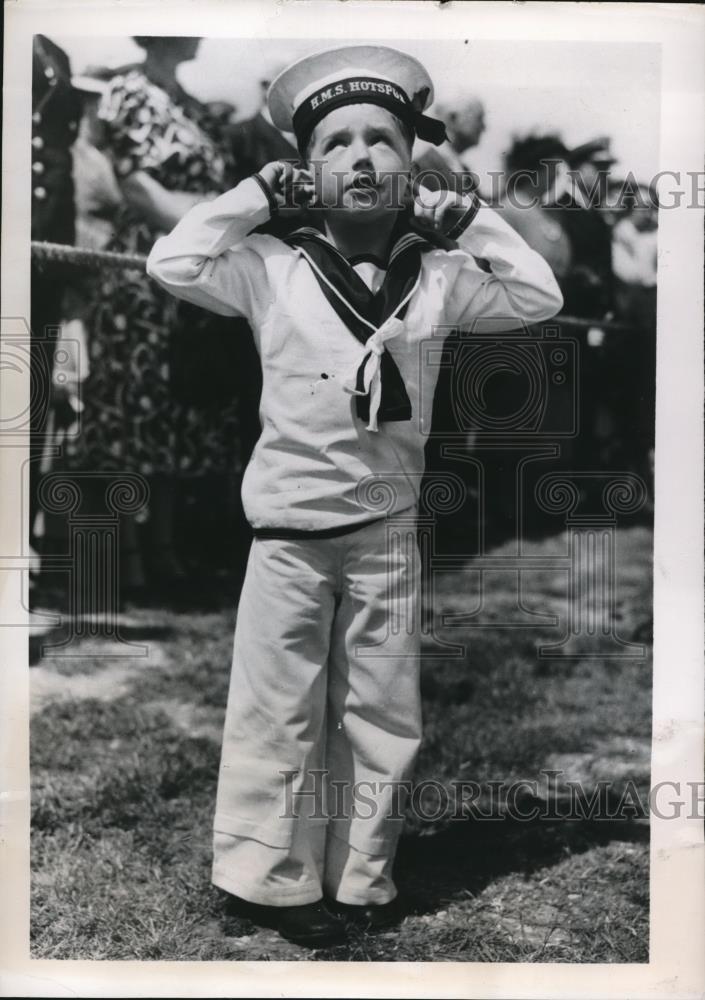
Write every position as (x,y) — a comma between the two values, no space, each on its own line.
(299,895)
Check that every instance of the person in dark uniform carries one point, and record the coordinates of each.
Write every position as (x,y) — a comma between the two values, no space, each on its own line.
(588,288)
(633,360)
(56,111)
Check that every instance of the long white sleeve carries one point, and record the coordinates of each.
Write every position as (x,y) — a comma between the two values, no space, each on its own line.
(521,285)
(208,258)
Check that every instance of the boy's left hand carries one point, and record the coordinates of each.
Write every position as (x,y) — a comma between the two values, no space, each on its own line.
(438,210)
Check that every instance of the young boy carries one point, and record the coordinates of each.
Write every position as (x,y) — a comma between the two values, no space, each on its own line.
(324,695)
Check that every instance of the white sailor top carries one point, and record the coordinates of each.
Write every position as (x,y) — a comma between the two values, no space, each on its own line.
(348,378)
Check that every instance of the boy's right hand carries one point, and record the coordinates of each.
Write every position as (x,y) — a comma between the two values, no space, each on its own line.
(291,186)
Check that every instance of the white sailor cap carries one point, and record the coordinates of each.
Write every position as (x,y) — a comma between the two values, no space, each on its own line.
(312,87)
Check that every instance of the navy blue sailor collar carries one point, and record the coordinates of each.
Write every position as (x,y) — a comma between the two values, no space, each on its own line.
(403,264)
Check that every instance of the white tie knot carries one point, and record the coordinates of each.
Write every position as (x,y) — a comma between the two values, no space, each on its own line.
(390,328)
(371,372)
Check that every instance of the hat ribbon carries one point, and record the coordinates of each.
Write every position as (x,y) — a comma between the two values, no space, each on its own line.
(429,129)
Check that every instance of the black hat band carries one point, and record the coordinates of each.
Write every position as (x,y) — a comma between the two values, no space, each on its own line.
(363,90)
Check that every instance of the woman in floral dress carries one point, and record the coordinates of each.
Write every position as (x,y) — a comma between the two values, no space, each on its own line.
(165,160)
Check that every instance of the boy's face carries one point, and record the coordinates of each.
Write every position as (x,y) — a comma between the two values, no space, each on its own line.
(361,160)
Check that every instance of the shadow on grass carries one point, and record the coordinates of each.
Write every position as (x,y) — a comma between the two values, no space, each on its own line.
(469,854)
(43,646)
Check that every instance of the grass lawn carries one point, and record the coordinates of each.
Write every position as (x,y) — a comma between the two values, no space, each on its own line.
(125,757)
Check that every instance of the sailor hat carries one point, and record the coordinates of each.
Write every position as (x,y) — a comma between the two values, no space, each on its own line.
(312,87)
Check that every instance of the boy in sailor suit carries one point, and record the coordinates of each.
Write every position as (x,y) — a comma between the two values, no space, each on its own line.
(324,694)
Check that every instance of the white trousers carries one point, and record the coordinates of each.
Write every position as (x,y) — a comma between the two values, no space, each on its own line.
(324,718)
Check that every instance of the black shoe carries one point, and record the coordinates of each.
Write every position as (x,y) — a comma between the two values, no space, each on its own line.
(372,916)
(310,925)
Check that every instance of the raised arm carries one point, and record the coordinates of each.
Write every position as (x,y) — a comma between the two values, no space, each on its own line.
(520,286)
(208,260)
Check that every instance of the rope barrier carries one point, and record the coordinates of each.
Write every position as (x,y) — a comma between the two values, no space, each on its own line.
(60,253)
(587,324)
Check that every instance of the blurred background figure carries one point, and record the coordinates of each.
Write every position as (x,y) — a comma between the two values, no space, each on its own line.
(97,202)
(216,120)
(256,140)
(98,195)
(634,256)
(632,361)
(534,165)
(160,398)
(446,166)
(56,110)
(601,245)
(546,199)
(615,207)
(576,202)
(590,164)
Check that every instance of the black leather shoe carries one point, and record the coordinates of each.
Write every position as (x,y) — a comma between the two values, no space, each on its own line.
(310,925)
(372,916)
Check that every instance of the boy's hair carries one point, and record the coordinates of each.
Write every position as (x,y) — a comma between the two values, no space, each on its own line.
(406,131)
